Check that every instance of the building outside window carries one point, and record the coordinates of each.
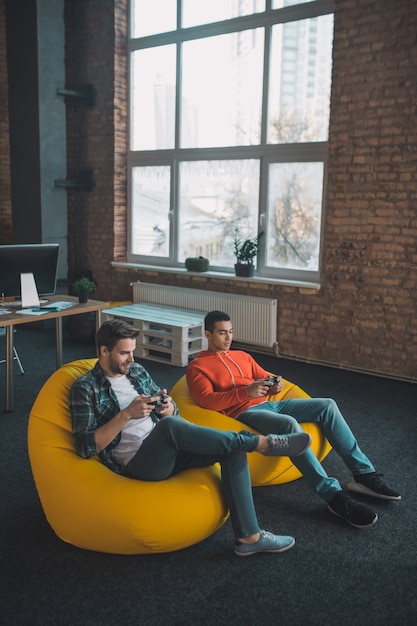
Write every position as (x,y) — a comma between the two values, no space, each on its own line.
(229,116)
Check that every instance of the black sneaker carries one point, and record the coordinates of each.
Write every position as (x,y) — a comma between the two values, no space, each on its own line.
(351,511)
(372,485)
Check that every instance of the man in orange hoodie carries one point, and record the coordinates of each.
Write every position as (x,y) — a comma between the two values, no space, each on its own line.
(233,383)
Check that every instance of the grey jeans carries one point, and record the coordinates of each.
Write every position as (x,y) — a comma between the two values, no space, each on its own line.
(175,445)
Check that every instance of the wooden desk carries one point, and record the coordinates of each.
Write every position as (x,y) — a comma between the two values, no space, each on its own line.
(9,321)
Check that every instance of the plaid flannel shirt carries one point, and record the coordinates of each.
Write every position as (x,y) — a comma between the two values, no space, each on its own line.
(93,403)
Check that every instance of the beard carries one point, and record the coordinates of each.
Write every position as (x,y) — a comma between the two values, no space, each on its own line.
(118,368)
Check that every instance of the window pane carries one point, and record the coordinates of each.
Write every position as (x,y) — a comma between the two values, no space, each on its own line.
(279,4)
(299,97)
(153,98)
(150,18)
(215,198)
(150,211)
(294,218)
(194,180)
(222,90)
(205,11)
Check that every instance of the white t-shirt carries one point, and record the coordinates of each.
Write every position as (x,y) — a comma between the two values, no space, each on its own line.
(136,430)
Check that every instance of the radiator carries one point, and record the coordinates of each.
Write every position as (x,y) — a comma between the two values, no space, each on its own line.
(254,319)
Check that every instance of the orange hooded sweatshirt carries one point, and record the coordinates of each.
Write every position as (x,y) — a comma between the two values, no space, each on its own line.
(219,380)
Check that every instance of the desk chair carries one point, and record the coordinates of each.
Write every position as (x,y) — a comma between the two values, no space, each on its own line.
(15,355)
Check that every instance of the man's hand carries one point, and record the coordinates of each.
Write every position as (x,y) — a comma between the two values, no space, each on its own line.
(139,407)
(276,387)
(162,403)
(260,388)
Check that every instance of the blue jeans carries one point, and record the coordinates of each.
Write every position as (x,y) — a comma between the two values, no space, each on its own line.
(175,445)
(286,416)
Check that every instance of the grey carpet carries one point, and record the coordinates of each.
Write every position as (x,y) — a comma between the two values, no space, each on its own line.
(334,575)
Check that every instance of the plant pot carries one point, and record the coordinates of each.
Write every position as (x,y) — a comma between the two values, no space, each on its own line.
(244,269)
(197,264)
(82,297)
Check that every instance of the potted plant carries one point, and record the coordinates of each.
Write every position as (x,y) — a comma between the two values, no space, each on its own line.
(197,264)
(83,286)
(245,253)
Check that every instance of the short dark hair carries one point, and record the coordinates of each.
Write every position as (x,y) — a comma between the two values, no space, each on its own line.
(111,331)
(213,317)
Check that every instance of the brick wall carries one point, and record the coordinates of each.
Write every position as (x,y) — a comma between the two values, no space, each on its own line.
(364,314)
(96,54)
(89,54)
(368,302)
(363,317)
(5,191)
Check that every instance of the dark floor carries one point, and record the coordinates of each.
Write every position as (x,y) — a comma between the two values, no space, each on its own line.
(334,575)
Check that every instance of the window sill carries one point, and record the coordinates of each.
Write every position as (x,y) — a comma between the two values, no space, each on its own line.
(303,286)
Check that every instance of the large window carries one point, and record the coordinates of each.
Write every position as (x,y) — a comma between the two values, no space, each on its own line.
(229,115)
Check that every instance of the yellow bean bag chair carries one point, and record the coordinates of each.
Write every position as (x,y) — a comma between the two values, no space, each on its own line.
(91,507)
(264,470)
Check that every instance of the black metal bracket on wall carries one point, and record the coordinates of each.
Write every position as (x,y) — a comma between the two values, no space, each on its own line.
(87,94)
(84,180)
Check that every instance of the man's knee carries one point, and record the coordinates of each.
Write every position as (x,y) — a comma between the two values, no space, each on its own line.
(330,405)
(329,411)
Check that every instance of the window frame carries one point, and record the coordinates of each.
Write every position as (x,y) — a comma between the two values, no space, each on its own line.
(266,153)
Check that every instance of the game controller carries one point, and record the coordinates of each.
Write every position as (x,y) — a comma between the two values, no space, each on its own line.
(273,379)
(160,400)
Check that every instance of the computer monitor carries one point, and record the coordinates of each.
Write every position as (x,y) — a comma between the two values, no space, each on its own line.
(40,259)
